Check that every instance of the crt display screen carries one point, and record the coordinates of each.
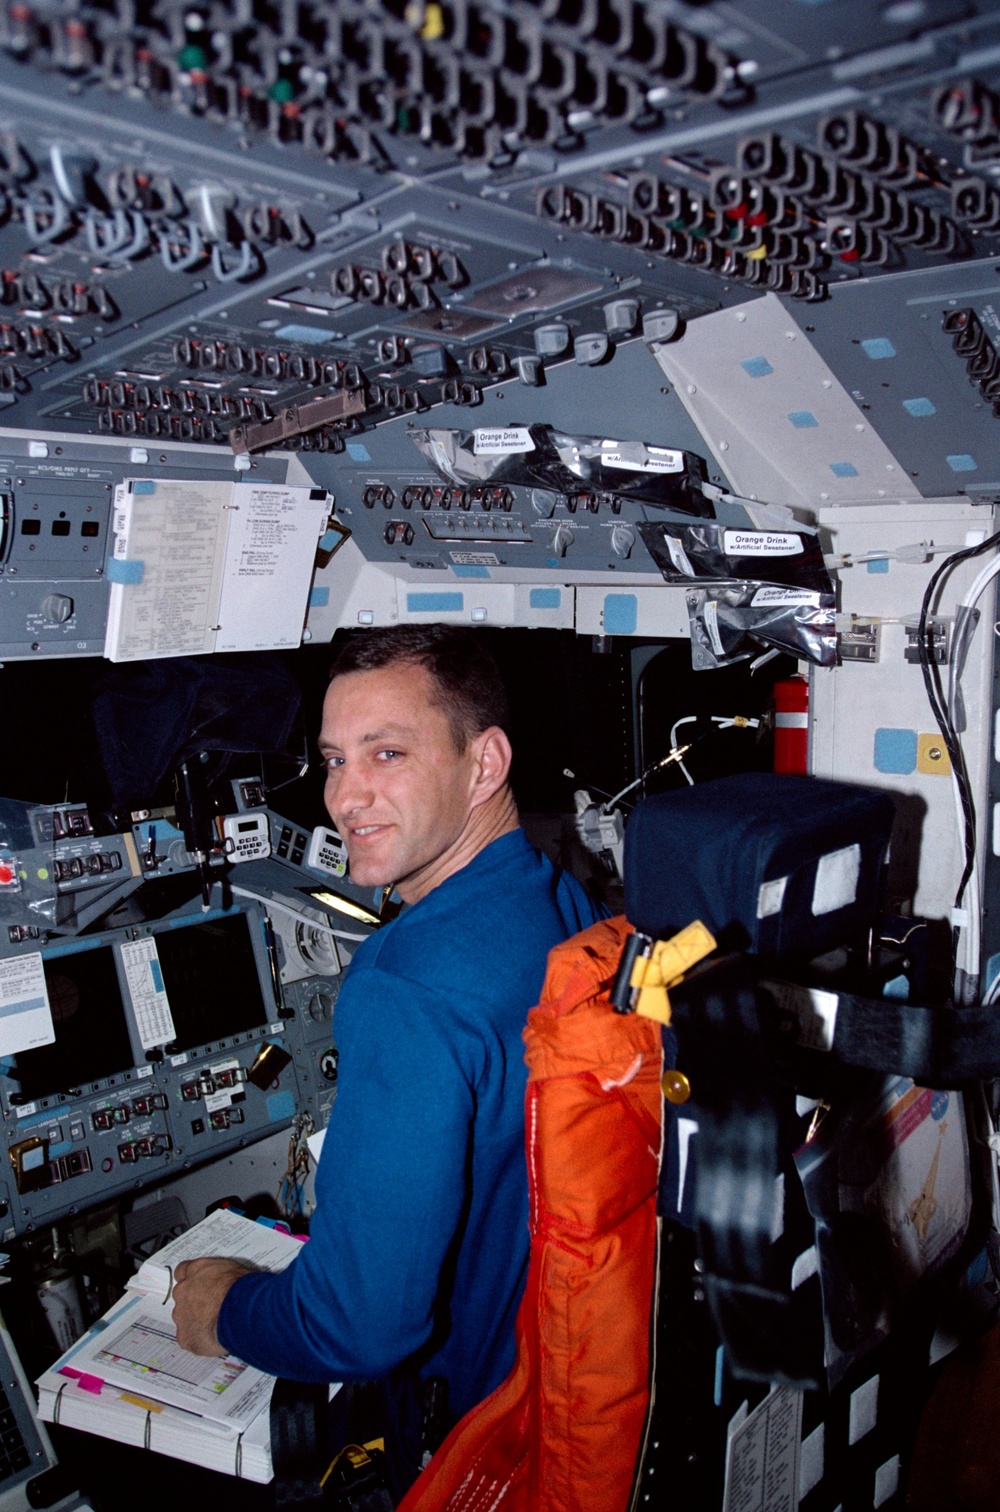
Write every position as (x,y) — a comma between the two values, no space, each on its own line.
(210,975)
(92,1039)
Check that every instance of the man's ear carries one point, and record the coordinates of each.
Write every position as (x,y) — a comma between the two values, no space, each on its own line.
(493,754)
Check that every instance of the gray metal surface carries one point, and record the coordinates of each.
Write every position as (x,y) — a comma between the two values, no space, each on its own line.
(100,305)
(57,496)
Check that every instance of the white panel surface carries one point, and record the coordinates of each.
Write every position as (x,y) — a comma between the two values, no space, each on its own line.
(777,419)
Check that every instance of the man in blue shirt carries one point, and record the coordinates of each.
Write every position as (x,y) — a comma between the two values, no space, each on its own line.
(419,1246)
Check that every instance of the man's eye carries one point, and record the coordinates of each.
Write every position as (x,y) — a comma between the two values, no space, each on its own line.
(388,755)
(333,763)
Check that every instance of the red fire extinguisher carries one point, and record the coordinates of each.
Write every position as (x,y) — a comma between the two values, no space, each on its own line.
(791,725)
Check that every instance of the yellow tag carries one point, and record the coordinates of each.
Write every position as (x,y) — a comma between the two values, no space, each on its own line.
(433,27)
(665,966)
(932,756)
(356,1453)
(136,1401)
(757,254)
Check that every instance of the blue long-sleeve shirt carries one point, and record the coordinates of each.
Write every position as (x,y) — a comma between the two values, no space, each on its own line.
(419,1245)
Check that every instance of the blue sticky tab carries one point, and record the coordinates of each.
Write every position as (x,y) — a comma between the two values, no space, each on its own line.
(329,539)
(144,486)
(309,335)
(843,469)
(991,973)
(280,1105)
(962,462)
(470,570)
(878,564)
(358,451)
(919,407)
(895,751)
(434,603)
(802,419)
(157,975)
(756,367)
(319,598)
(545,598)
(621,613)
(878,347)
(123,571)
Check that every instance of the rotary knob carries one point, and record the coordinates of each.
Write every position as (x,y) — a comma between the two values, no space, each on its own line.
(562,539)
(57,608)
(320,1007)
(622,541)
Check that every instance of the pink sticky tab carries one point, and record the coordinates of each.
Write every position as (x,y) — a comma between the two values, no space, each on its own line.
(85,1382)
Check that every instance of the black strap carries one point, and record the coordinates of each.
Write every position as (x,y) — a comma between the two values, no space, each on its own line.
(938,1047)
(299,1444)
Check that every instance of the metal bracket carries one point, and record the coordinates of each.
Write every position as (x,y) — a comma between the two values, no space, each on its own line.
(296,419)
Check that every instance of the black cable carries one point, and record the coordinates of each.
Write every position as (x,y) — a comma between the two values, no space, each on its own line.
(939,707)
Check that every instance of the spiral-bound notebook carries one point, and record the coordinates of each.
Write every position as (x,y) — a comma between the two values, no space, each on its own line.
(128,1379)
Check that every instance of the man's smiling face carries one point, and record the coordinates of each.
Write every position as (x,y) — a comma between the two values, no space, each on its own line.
(397,787)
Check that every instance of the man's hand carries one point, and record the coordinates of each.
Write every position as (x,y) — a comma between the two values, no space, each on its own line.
(200,1287)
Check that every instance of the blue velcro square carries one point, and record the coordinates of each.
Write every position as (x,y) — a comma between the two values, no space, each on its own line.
(802,419)
(307,335)
(919,407)
(878,564)
(470,570)
(358,452)
(319,597)
(434,603)
(280,1105)
(878,346)
(124,570)
(757,367)
(895,751)
(621,613)
(843,469)
(962,462)
(545,598)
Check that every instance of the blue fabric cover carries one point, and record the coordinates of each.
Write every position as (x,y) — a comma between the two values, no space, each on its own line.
(419,1242)
(704,852)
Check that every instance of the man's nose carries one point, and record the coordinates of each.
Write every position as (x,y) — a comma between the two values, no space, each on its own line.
(348,793)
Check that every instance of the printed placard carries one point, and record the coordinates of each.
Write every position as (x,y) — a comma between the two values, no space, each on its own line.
(497,443)
(711,614)
(761,543)
(678,556)
(762,1458)
(769,595)
(25,1015)
(654,459)
(153,1018)
(474,558)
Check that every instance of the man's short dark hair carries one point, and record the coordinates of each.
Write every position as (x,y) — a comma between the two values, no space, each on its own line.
(469,687)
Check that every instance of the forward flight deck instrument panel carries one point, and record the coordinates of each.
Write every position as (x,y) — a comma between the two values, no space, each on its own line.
(173,1040)
(764,234)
